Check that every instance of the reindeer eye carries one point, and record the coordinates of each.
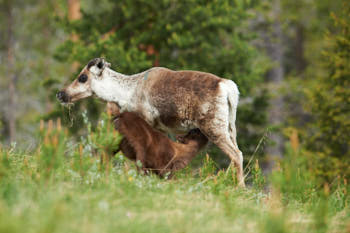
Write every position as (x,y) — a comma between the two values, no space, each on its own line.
(83,78)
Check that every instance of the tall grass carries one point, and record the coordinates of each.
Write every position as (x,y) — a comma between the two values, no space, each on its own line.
(67,187)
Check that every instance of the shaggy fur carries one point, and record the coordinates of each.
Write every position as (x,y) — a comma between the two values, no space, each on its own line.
(170,101)
(155,151)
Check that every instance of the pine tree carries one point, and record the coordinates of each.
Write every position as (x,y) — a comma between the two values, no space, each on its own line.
(330,99)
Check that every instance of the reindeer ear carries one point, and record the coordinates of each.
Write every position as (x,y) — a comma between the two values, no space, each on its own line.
(99,64)
(102,63)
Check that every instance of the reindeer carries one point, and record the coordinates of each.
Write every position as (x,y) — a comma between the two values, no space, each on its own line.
(170,101)
(156,152)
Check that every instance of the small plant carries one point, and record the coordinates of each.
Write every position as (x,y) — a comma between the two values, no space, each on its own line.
(52,150)
(292,177)
(208,168)
(4,163)
(320,211)
(259,181)
(104,138)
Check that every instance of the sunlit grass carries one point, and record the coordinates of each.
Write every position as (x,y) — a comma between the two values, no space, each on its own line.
(65,187)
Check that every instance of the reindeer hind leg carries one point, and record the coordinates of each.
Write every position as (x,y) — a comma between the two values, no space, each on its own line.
(219,134)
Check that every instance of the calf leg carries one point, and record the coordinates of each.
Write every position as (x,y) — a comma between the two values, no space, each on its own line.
(127,149)
(135,151)
(141,156)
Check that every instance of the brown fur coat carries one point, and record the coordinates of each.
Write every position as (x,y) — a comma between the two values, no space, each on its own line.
(155,151)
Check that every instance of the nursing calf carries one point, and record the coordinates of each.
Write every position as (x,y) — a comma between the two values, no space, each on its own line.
(155,151)
(170,101)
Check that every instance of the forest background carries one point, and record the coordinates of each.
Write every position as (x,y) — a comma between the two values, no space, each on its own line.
(290,59)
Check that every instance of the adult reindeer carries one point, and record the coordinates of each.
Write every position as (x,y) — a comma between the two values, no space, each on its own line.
(171,101)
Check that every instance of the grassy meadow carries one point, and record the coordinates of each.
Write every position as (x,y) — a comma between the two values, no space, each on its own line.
(289,58)
(73,187)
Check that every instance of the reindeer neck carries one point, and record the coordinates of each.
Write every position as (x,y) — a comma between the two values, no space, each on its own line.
(118,88)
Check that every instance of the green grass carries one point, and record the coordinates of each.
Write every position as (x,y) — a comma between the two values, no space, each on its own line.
(60,187)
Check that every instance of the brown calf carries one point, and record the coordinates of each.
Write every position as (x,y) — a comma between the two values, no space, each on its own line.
(155,151)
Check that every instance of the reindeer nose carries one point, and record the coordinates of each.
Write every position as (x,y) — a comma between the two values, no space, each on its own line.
(62,96)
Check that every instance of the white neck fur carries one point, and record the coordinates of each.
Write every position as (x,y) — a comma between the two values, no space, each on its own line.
(116,87)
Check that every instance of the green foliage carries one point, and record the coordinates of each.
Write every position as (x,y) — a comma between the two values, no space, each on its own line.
(316,101)
(208,36)
(208,168)
(52,150)
(224,179)
(43,190)
(320,215)
(327,168)
(293,178)
(297,182)
(327,137)
(330,98)
(275,223)
(259,181)
(104,138)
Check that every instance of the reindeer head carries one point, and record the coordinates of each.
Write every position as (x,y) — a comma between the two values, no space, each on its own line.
(80,88)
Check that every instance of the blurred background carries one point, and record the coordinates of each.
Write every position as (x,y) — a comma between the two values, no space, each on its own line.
(290,59)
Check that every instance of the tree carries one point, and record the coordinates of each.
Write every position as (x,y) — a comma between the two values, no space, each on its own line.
(27,36)
(198,35)
(330,97)
(290,33)
(8,8)
(273,42)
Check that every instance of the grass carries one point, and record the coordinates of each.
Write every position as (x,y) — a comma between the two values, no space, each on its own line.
(61,187)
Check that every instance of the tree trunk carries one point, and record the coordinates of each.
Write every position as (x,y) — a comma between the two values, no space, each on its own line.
(11,113)
(276,77)
(45,44)
(300,61)
(74,9)
(74,14)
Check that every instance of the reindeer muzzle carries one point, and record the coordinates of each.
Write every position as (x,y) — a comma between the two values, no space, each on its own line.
(62,96)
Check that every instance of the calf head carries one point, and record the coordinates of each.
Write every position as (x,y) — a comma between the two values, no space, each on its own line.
(193,135)
(80,88)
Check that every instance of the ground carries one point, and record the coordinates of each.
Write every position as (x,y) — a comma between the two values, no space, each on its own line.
(63,186)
